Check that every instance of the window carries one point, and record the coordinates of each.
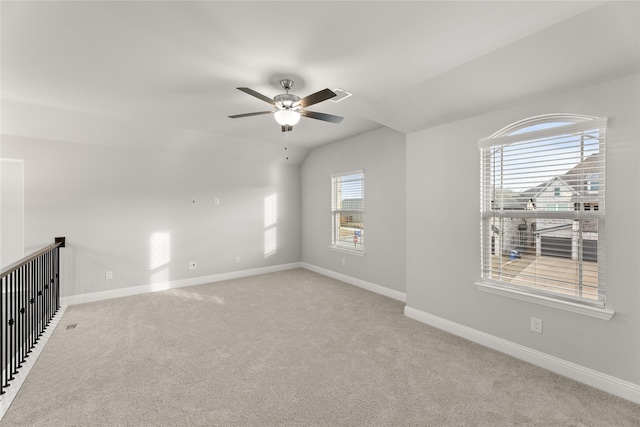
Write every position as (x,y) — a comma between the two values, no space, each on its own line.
(542,209)
(347,211)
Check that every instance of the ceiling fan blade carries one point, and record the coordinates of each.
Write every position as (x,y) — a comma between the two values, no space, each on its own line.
(250,114)
(257,95)
(314,98)
(322,116)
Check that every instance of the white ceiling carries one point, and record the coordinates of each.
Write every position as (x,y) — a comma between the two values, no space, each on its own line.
(163,74)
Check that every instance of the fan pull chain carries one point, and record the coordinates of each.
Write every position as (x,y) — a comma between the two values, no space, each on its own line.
(286,144)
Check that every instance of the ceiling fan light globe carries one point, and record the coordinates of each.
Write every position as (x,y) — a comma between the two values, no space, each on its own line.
(287,117)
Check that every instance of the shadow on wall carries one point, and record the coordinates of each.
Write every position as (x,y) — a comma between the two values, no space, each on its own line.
(81,267)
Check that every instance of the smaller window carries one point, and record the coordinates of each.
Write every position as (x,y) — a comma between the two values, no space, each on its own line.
(556,191)
(347,211)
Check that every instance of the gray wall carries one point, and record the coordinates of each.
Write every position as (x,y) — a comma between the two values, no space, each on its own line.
(11,211)
(381,153)
(444,239)
(128,211)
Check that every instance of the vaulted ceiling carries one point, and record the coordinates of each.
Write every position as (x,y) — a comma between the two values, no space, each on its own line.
(164,74)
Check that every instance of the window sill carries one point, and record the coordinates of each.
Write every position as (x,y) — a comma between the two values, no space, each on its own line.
(599,313)
(347,251)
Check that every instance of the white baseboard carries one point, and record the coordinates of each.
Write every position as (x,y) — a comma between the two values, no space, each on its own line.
(599,380)
(391,293)
(163,286)
(12,391)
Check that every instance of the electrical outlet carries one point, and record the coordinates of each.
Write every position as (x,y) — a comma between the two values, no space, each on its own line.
(216,201)
(536,325)
(108,275)
(344,262)
(237,260)
(192,265)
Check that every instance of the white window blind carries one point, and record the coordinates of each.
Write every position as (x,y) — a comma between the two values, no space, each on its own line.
(347,210)
(542,207)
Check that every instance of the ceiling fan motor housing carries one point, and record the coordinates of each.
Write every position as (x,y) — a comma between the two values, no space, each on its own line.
(287,101)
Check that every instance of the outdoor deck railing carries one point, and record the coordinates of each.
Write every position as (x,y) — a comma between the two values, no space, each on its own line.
(29,298)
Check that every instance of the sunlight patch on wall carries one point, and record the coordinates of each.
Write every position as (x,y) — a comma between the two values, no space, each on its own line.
(270,242)
(270,221)
(159,256)
(270,210)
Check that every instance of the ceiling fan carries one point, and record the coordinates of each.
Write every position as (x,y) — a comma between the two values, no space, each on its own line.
(289,107)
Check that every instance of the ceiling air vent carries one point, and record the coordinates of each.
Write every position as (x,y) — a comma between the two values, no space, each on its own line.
(341,95)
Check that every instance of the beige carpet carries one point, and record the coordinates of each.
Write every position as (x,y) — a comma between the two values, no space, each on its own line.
(286,349)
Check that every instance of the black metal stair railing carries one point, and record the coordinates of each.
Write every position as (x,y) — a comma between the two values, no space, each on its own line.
(29,298)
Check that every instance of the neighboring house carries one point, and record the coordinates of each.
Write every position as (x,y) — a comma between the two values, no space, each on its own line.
(552,237)
(352,221)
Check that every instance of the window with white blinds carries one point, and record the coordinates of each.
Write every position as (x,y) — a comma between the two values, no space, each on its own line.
(347,211)
(542,207)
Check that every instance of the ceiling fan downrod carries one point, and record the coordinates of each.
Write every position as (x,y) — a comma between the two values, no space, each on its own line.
(287,101)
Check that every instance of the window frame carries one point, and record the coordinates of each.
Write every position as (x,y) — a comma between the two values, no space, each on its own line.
(358,240)
(518,132)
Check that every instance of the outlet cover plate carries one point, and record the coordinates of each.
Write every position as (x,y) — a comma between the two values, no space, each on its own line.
(536,325)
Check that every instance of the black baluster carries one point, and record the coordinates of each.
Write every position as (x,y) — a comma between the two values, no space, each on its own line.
(57,289)
(38,299)
(5,319)
(17,354)
(43,304)
(49,288)
(32,301)
(22,310)
(2,335)
(27,314)
(10,325)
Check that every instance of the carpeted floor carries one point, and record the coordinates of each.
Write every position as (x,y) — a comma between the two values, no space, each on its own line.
(286,349)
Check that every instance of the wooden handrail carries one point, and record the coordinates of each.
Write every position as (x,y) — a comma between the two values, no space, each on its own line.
(5,271)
